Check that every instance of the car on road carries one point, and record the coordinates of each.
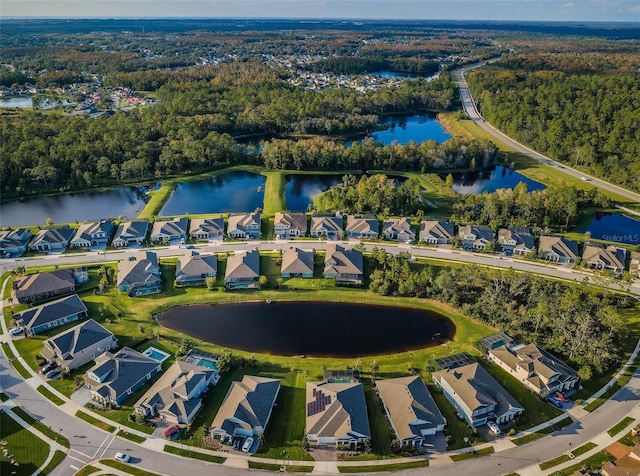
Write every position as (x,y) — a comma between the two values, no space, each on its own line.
(123,457)
(16,331)
(172,430)
(248,443)
(560,396)
(495,429)
(555,401)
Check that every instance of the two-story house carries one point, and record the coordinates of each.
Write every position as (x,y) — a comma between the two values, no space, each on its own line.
(244,227)
(287,225)
(515,240)
(93,234)
(475,237)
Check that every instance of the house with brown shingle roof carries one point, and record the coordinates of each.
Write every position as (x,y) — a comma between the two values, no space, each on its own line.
(436,232)
(297,263)
(287,225)
(361,226)
(243,227)
(398,229)
(628,465)
(558,249)
(206,229)
(343,264)
(599,257)
(243,270)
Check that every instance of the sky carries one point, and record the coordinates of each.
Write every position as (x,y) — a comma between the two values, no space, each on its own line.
(533,10)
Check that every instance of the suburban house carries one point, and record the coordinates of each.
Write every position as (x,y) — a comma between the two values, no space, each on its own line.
(634,264)
(475,237)
(297,263)
(244,227)
(139,276)
(398,229)
(343,264)
(535,368)
(410,408)
(53,239)
(194,268)
(93,234)
(599,257)
(287,225)
(243,270)
(166,230)
(326,226)
(205,229)
(337,413)
(52,314)
(34,287)
(627,465)
(515,240)
(175,396)
(14,241)
(359,226)
(476,395)
(246,409)
(436,232)
(78,345)
(558,249)
(130,233)
(114,377)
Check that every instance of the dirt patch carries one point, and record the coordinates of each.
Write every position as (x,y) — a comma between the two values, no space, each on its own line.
(618,450)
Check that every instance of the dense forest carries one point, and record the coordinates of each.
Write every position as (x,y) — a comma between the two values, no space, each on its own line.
(368,64)
(571,320)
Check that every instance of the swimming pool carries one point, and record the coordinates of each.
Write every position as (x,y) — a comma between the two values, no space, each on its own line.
(210,364)
(156,354)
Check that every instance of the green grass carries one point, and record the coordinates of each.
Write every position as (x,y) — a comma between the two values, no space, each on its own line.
(3,397)
(14,362)
(274,198)
(617,428)
(57,458)
(384,467)
(540,433)
(474,454)
(95,422)
(41,427)
(596,461)
(621,382)
(554,462)
(130,436)
(194,454)
(87,470)
(49,395)
(128,469)
(276,467)
(579,451)
(29,451)
(628,439)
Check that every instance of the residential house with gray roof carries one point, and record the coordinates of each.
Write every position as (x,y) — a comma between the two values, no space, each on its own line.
(475,237)
(130,233)
(558,249)
(476,395)
(244,227)
(600,257)
(115,377)
(93,234)
(206,229)
(410,408)
(140,276)
(361,226)
(343,264)
(287,225)
(79,345)
(52,239)
(34,287)
(634,264)
(329,227)
(246,409)
(194,268)
(50,315)
(243,270)
(14,242)
(436,232)
(297,263)
(398,229)
(175,396)
(164,231)
(515,240)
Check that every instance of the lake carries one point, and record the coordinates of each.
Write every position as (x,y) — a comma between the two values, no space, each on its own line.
(490,180)
(67,208)
(404,129)
(302,188)
(229,192)
(614,227)
(16,102)
(398,74)
(318,329)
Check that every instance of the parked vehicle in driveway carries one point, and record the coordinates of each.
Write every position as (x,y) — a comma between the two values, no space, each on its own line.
(555,401)
(16,331)
(53,374)
(171,431)
(560,396)
(49,367)
(248,443)
(495,429)
(123,457)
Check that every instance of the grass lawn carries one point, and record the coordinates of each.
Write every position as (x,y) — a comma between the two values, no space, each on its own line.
(579,451)
(617,428)
(274,199)
(628,439)
(276,467)
(41,427)
(95,422)
(28,450)
(87,470)
(457,429)
(12,359)
(126,468)
(474,454)
(540,433)
(57,458)
(423,463)
(554,462)
(194,454)
(130,436)
(49,395)
(594,462)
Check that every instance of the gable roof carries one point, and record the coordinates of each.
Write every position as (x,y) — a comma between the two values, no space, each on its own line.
(362,224)
(87,230)
(521,235)
(330,224)
(195,264)
(341,260)
(559,245)
(481,232)
(610,257)
(240,222)
(297,261)
(43,283)
(142,270)
(77,339)
(53,236)
(397,225)
(244,264)
(132,229)
(177,226)
(297,221)
(51,311)
(14,238)
(212,226)
(436,228)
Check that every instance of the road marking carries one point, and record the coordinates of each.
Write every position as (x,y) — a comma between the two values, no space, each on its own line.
(73,457)
(74,467)
(105,440)
(83,454)
(107,447)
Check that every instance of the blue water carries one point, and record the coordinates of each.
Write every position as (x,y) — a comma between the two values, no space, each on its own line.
(397,74)
(404,129)
(208,364)
(614,227)
(302,188)
(230,192)
(490,180)
(156,354)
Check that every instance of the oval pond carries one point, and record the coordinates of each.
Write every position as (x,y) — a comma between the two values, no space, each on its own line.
(319,329)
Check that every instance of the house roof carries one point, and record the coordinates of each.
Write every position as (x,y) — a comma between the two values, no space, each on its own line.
(67,344)
(559,245)
(53,236)
(634,265)
(436,228)
(142,270)
(296,221)
(397,225)
(212,226)
(336,410)
(43,283)
(295,261)
(411,406)
(521,235)
(341,260)
(609,257)
(481,232)
(132,229)
(177,226)
(247,404)
(195,264)
(87,230)
(244,264)
(362,224)
(14,238)
(51,311)
(319,223)
(241,222)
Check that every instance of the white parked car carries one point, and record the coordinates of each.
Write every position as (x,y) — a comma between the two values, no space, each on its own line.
(248,443)
(495,429)
(122,457)
(16,331)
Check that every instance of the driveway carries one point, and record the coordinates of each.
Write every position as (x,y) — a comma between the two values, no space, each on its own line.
(81,396)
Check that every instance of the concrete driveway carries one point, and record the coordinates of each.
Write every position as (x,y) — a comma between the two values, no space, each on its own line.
(81,396)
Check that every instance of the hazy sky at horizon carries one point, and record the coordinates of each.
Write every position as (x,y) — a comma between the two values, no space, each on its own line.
(534,10)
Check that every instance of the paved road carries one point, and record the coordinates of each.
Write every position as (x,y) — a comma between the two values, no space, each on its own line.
(472,111)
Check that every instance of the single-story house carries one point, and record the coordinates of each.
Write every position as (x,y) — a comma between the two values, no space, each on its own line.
(194,268)
(475,237)
(243,227)
(78,345)
(52,239)
(297,263)
(115,377)
(535,368)
(343,264)
(558,249)
(34,287)
(130,233)
(627,465)
(326,226)
(167,230)
(599,257)
(476,395)
(398,229)
(14,241)
(246,409)
(410,408)
(436,232)
(243,270)
(205,229)
(287,225)
(515,240)
(337,413)
(175,396)
(93,234)
(52,314)
(359,226)
(139,276)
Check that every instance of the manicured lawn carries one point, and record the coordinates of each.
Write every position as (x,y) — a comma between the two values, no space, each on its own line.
(57,458)
(474,454)
(95,422)
(87,470)
(596,461)
(16,365)
(131,436)
(49,395)
(41,427)
(579,451)
(625,422)
(194,454)
(457,430)
(27,449)
(554,462)
(276,467)
(274,199)
(628,439)
(126,468)
(384,467)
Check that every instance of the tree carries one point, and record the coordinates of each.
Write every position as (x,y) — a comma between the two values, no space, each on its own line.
(374,368)
(49,222)
(224,360)
(185,346)
(262,281)
(585,373)
(449,180)
(210,281)
(357,364)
